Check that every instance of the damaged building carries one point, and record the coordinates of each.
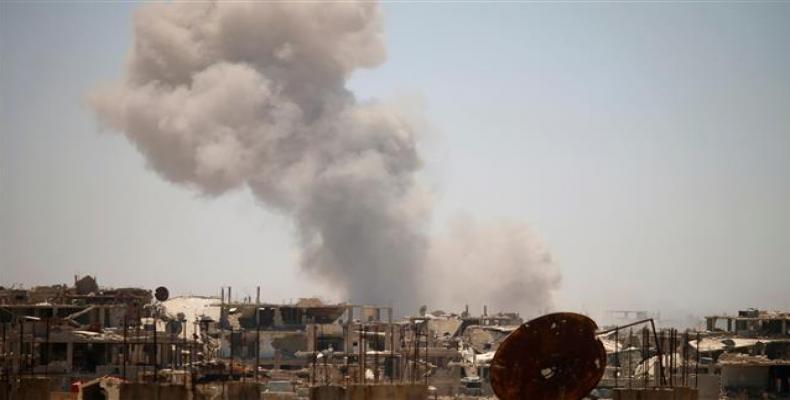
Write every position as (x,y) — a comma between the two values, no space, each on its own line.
(79,334)
(69,334)
(85,338)
(749,353)
(743,356)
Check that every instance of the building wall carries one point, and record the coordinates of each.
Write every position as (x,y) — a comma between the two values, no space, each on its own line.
(744,377)
(370,392)
(152,391)
(709,386)
(679,393)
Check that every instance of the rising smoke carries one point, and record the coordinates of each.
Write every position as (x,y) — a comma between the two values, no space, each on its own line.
(219,96)
(500,263)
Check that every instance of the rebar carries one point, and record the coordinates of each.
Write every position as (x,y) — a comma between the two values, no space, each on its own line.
(630,365)
(616,356)
(696,366)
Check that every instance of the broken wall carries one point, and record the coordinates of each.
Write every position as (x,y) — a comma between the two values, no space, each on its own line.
(751,377)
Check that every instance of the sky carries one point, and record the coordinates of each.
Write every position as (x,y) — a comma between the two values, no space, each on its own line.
(646,144)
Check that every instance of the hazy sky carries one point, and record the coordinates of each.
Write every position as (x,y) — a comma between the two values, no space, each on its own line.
(648,144)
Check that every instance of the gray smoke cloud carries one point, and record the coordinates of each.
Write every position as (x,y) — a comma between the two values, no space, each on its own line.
(220,96)
(499,263)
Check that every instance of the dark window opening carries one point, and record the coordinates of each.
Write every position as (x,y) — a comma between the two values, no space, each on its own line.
(325,342)
(89,355)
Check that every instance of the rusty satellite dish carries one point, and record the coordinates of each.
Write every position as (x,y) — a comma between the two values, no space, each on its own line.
(554,357)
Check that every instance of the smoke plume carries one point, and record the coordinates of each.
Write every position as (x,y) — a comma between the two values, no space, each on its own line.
(220,96)
(500,263)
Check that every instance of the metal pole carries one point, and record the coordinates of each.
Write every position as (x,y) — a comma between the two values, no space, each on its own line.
(364,354)
(616,356)
(172,350)
(685,357)
(696,366)
(376,356)
(21,340)
(676,341)
(347,345)
(315,344)
(674,355)
(688,360)
(427,343)
(660,358)
(156,353)
(392,350)
(405,353)
(672,350)
(45,357)
(416,352)
(137,324)
(257,331)
(360,372)
(192,345)
(5,354)
(6,370)
(326,361)
(659,352)
(668,367)
(668,345)
(30,362)
(630,366)
(684,360)
(182,355)
(231,349)
(604,332)
(671,365)
(674,359)
(646,355)
(125,345)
